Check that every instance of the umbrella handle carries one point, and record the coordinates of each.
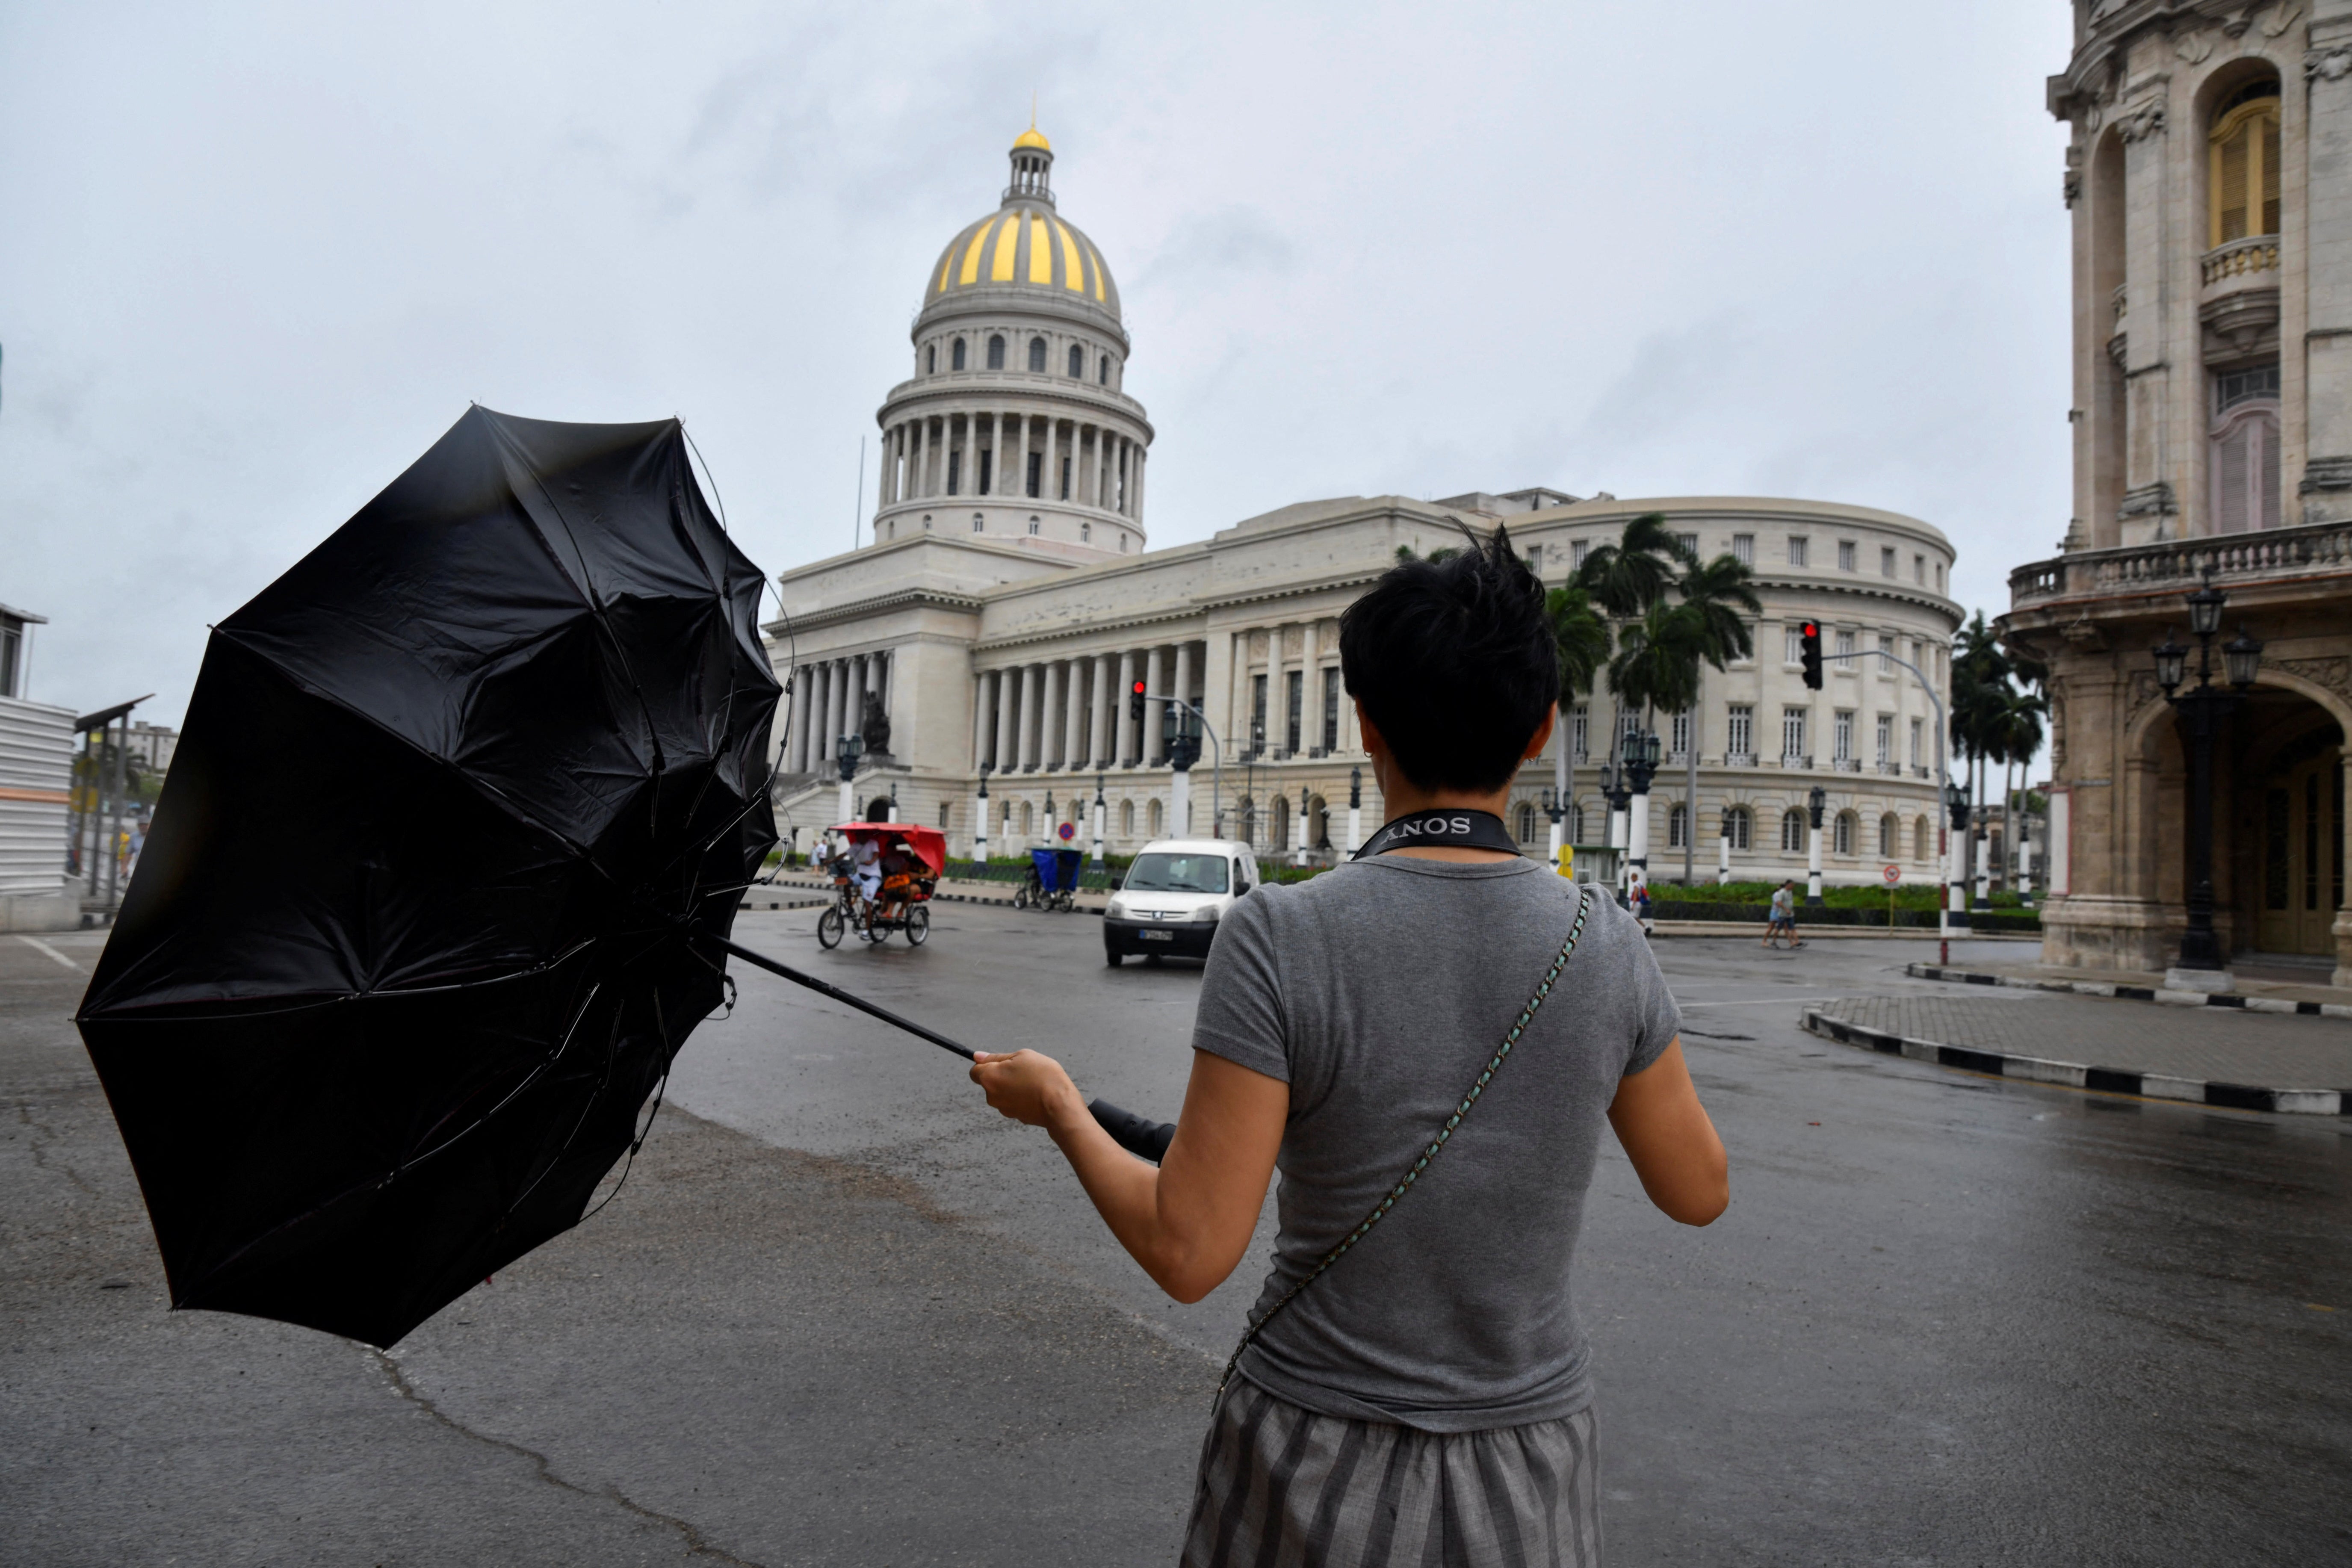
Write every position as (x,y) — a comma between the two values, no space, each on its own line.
(1144,1140)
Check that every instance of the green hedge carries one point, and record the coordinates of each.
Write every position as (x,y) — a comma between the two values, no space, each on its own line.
(1990,921)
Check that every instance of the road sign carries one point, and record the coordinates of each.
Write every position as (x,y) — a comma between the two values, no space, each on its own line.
(1069,830)
(1893,874)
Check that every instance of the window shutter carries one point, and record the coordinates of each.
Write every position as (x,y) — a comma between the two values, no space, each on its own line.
(2229,476)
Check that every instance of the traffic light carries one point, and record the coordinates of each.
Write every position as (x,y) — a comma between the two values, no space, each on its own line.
(1811,640)
(1135,702)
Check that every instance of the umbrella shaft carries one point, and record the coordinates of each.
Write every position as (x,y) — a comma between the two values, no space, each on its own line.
(844,997)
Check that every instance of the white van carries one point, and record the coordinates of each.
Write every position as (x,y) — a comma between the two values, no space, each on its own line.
(1174,894)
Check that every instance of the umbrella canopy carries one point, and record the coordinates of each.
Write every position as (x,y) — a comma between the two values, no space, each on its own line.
(929,844)
(462,806)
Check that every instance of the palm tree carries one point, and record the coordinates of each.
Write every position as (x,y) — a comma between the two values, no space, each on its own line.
(1628,577)
(1581,634)
(1713,592)
(2020,731)
(1981,689)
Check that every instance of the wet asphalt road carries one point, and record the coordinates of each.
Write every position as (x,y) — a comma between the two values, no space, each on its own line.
(843,1314)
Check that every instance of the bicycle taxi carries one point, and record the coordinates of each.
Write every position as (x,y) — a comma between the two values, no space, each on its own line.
(892,893)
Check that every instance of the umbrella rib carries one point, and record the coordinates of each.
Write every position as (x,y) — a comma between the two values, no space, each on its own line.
(586,591)
(847,999)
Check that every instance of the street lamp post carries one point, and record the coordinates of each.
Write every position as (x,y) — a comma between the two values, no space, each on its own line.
(1951,914)
(1641,764)
(846,753)
(1100,808)
(1299,837)
(1814,804)
(1722,850)
(979,817)
(2200,709)
(1555,805)
(1355,810)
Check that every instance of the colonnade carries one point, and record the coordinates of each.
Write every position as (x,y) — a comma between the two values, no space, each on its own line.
(828,699)
(1315,661)
(938,454)
(1073,714)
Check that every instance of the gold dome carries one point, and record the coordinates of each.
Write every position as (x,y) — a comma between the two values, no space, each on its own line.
(1024,244)
(1033,138)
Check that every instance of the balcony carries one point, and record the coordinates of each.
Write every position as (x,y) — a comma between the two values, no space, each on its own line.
(1845,764)
(2239,304)
(1740,759)
(2176,564)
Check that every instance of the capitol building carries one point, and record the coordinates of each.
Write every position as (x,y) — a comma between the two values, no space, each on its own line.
(1010,598)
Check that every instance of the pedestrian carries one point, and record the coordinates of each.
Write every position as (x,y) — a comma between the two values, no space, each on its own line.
(1781,920)
(1642,909)
(1414,1384)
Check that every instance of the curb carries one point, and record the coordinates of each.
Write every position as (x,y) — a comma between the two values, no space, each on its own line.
(2165,994)
(780,904)
(2106,1080)
(935,898)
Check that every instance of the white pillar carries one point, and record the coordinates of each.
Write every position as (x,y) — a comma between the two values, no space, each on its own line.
(1722,859)
(1154,753)
(1356,830)
(1310,688)
(1126,750)
(846,806)
(982,712)
(1049,485)
(1007,726)
(835,683)
(1812,863)
(1637,844)
(882,480)
(1021,465)
(1299,829)
(1183,688)
(918,457)
(1098,735)
(1102,468)
(1048,731)
(1074,717)
(1100,807)
(1023,753)
(1553,843)
(796,742)
(1138,514)
(979,824)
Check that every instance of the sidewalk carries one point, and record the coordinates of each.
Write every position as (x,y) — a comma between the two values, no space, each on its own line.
(2217,1056)
(2252,994)
(795,891)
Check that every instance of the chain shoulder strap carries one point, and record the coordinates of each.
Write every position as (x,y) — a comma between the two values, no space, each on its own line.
(1405,1183)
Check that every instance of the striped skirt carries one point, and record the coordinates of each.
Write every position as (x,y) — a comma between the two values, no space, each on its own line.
(1285,1488)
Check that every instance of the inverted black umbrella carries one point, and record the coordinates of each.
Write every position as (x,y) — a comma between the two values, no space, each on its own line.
(461,805)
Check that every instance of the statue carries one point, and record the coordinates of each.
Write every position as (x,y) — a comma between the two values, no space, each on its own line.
(873,727)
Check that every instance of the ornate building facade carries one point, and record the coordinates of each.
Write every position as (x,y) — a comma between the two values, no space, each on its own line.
(1002,620)
(2210,179)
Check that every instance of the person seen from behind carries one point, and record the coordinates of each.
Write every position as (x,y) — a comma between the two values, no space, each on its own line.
(1426,1041)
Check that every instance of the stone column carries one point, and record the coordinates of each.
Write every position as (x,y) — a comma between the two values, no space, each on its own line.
(918,457)
(882,480)
(982,713)
(1048,473)
(829,709)
(1154,753)
(1278,690)
(796,741)
(1031,718)
(1021,461)
(1007,728)
(1049,728)
(878,681)
(1102,469)
(1098,736)
(1310,686)
(2324,345)
(1073,721)
(1126,750)
(1141,457)
(853,710)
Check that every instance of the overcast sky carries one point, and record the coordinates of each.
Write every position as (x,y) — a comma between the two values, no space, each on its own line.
(253,259)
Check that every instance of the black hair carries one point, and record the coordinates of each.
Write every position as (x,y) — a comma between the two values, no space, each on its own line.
(1455,660)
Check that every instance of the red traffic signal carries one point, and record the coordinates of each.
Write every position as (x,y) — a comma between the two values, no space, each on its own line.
(1810,644)
(1135,702)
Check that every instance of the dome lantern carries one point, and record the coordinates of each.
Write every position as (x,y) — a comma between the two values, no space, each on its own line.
(1032,162)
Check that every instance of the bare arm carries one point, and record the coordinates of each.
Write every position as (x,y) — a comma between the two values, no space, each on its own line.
(1189,1220)
(1665,1131)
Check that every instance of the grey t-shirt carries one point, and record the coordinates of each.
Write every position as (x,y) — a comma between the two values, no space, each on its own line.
(1377,991)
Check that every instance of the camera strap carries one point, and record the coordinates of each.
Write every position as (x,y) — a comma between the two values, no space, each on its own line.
(1451,827)
(1430,1151)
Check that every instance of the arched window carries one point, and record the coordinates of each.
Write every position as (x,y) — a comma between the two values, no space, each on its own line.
(1741,823)
(978,523)
(1527,832)
(1037,356)
(1792,832)
(1086,533)
(2243,443)
(995,351)
(1032,525)
(1841,834)
(955,355)
(1155,819)
(1028,819)
(1677,825)
(1077,363)
(1127,819)
(1890,833)
(932,359)
(1575,824)
(2243,166)
(1106,370)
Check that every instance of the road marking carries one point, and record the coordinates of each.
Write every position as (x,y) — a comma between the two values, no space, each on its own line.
(38,946)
